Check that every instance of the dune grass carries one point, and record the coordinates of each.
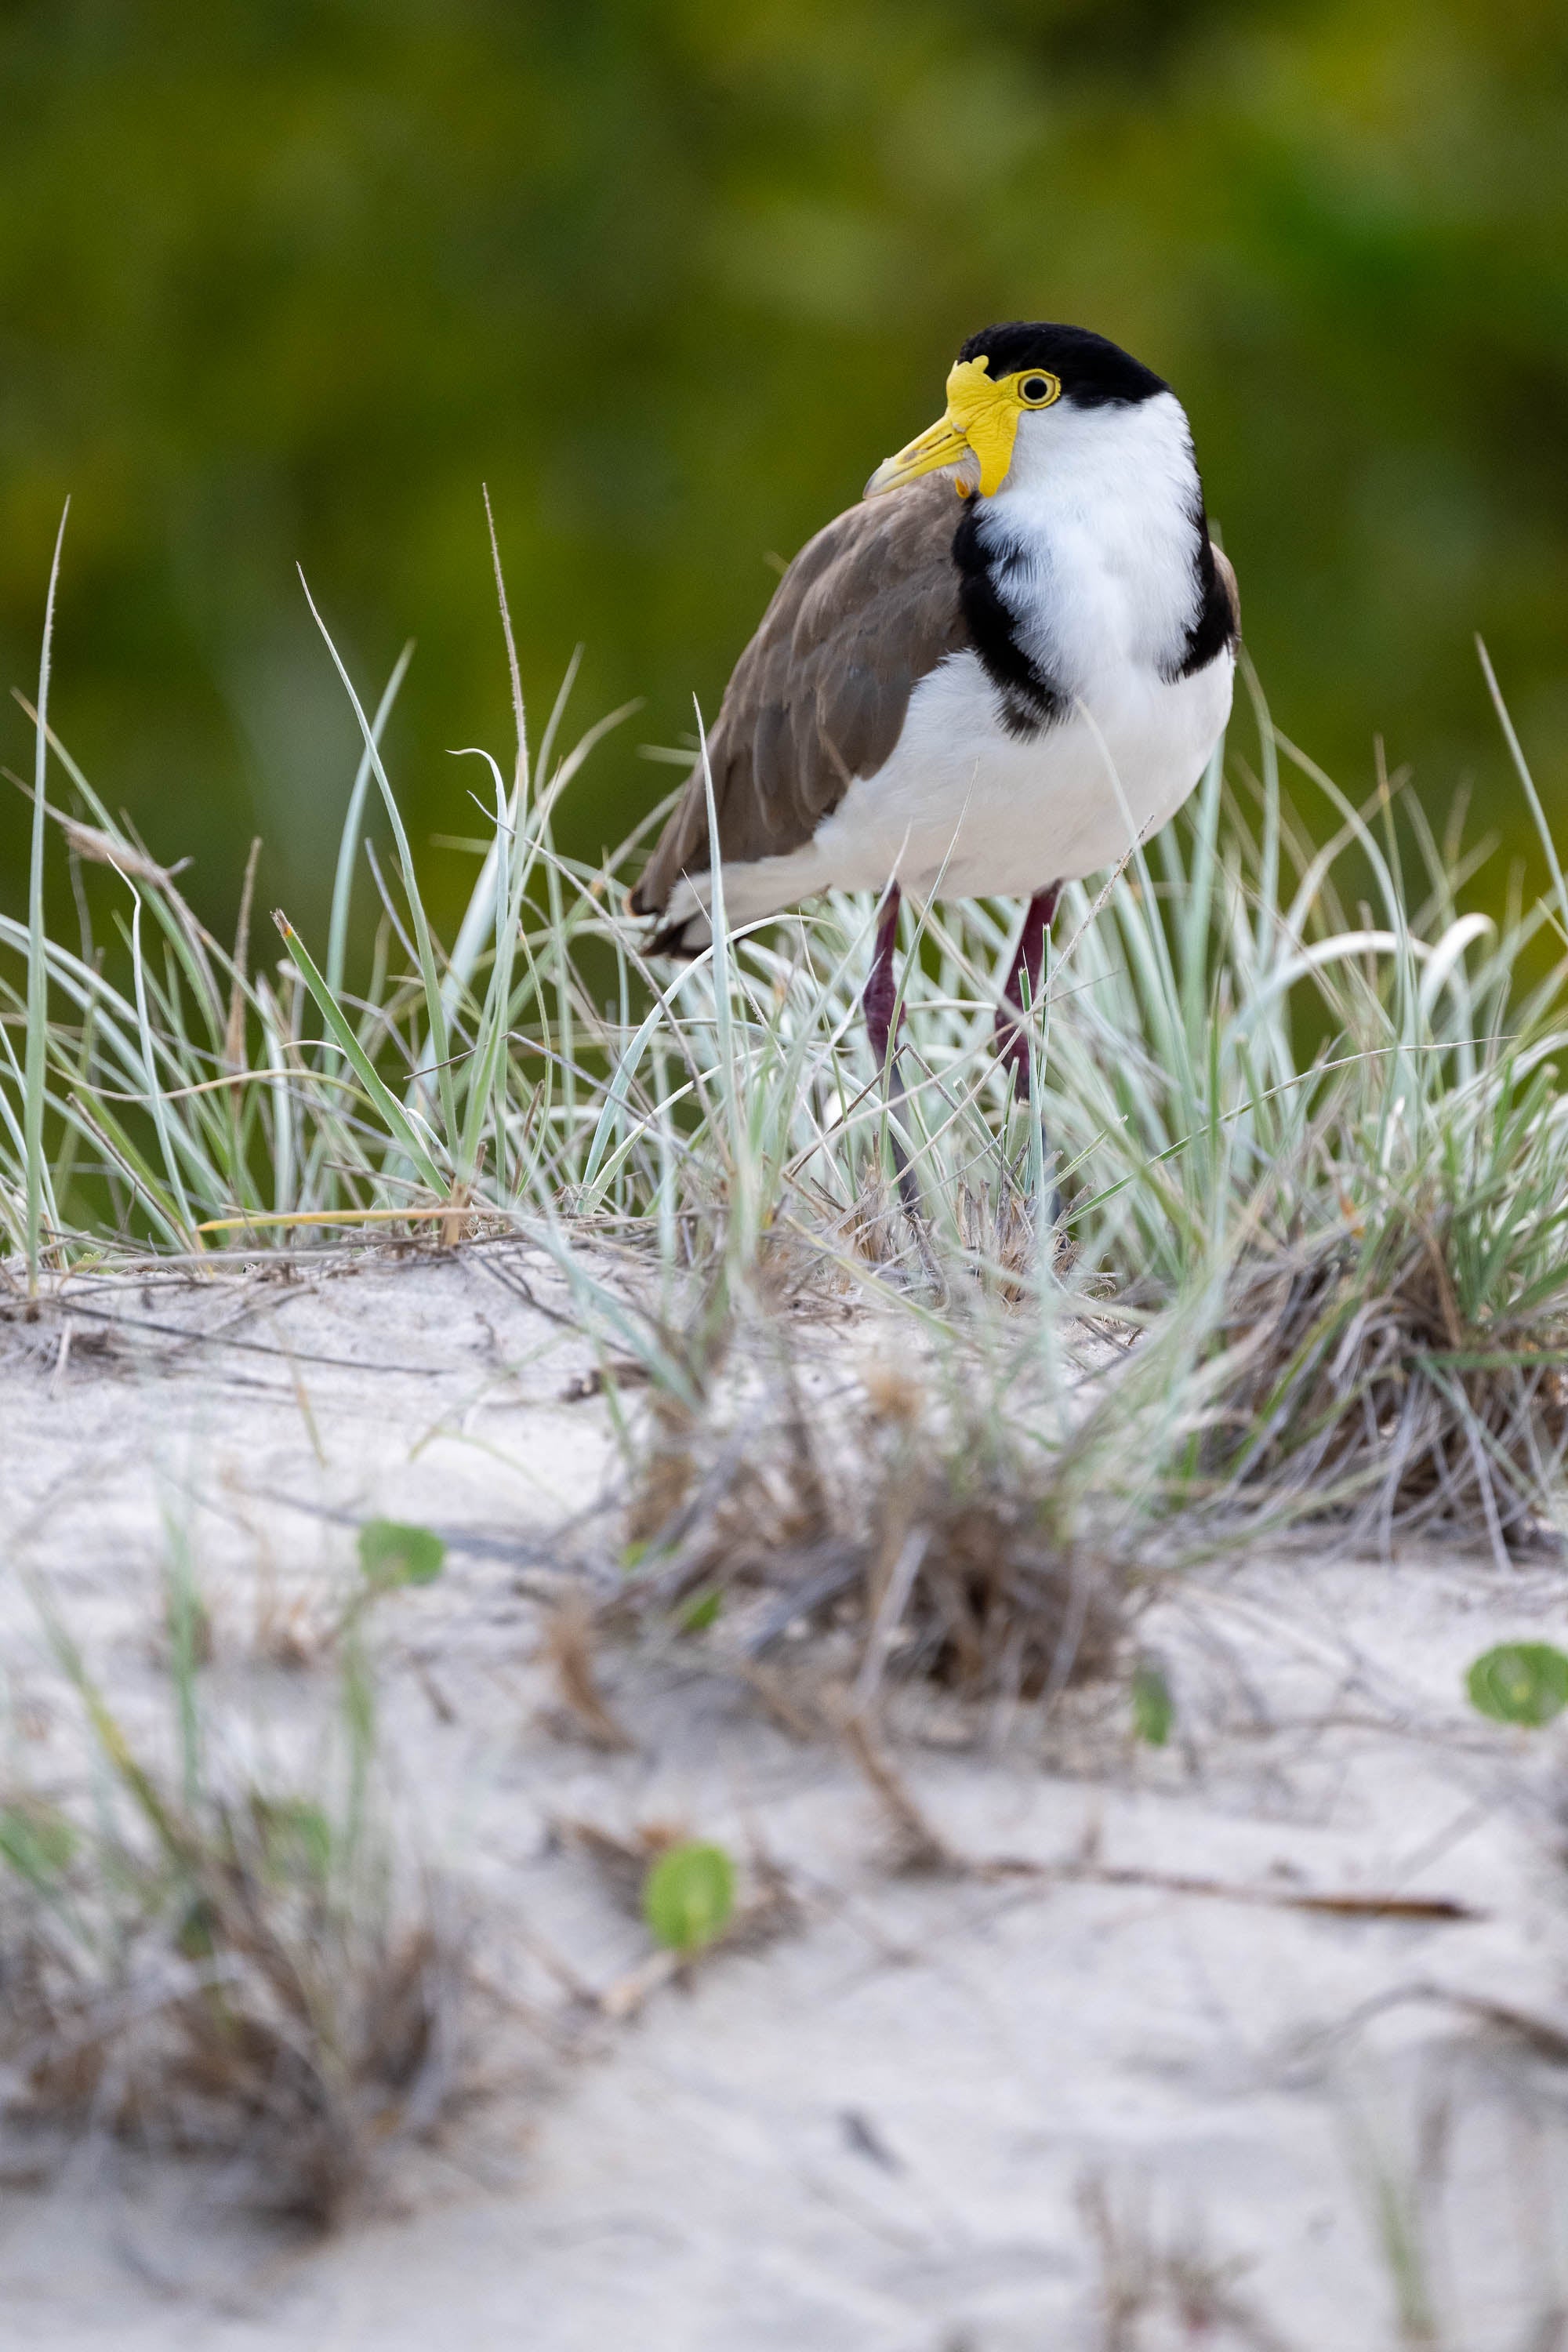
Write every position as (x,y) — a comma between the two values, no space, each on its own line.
(203,1956)
(1299,1109)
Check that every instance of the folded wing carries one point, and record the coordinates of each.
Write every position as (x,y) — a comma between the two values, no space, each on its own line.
(867,609)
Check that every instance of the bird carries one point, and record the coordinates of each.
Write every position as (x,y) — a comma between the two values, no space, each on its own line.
(1003,670)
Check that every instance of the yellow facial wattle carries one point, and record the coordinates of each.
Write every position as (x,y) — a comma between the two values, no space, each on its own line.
(981,422)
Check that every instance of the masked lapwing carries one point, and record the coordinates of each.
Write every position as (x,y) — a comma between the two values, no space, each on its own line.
(1003,670)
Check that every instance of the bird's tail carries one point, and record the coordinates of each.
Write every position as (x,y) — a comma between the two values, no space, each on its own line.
(681,937)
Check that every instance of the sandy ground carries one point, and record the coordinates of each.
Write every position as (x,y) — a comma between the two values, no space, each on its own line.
(878,2131)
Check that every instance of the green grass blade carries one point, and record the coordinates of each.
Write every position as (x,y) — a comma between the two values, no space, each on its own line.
(398,1123)
(348,844)
(435,1010)
(38,967)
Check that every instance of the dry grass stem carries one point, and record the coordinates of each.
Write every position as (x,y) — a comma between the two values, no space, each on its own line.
(568,1645)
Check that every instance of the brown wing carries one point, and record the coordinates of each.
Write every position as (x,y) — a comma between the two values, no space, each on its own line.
(818,698)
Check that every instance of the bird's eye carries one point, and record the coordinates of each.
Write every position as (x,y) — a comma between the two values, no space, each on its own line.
(1039,390)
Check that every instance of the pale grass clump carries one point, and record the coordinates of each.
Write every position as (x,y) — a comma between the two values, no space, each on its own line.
(939,1511)
(1365,1372)
(1312,1146)
(204,1964)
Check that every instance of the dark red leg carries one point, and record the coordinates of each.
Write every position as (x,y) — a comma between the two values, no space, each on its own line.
(1028,965)
(881,995)
(881,988)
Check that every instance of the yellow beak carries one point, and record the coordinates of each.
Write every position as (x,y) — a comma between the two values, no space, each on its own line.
(939,445)
(981,422)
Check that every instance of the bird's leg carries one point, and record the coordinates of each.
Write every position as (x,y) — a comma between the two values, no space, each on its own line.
(881,988)
(878,1003)
(1028,967)
(1012,1038)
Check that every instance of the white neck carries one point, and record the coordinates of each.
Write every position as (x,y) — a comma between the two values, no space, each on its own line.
(1098,514)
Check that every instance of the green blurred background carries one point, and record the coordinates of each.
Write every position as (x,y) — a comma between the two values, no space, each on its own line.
(285,280)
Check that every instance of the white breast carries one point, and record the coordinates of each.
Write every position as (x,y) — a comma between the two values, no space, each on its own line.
(966,810)
(1100,504)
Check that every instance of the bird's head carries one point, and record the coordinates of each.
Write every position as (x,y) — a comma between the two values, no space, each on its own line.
(1005,384)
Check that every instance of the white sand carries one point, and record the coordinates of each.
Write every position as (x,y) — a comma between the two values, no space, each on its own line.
(872,2133)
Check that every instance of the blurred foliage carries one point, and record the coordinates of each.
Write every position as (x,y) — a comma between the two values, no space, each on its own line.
(286,282)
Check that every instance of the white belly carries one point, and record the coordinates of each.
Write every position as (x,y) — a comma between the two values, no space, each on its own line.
(964,810)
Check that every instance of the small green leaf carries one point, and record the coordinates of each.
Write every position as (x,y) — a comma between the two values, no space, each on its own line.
(689,1896)
(1519,1682)
(38,1842)
(391,1554)
(700,1612)
(1153,1708)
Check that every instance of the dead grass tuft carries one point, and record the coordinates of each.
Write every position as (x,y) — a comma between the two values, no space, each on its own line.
(1363,1372)
(1147,2278)
(230,2005)
(997,1605)
(920,1535)
(205,1966)
(999,1231)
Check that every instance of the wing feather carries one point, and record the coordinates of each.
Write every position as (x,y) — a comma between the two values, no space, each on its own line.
(867,609)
